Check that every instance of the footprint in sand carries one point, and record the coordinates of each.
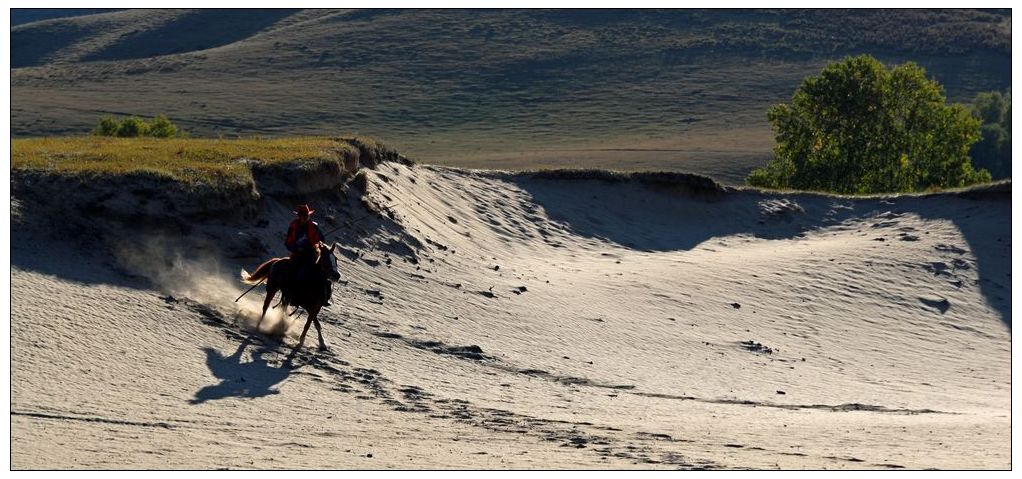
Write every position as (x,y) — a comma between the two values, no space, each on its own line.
(937,267)
(936,302)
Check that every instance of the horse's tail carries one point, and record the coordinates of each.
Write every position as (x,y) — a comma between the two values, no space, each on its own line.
(260,273)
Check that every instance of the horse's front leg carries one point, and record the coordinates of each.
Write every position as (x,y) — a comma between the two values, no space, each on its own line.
(314,315)
(301,340)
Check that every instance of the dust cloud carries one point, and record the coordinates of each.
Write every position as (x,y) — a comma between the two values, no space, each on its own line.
(203,279)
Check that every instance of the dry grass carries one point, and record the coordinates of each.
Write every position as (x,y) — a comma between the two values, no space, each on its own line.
(189,160)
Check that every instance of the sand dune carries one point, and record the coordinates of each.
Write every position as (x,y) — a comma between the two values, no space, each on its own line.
(498,320)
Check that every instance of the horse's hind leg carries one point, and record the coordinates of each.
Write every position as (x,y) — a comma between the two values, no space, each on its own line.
(270,292)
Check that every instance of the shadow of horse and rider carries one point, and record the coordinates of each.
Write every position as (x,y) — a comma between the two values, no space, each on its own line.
(254,379)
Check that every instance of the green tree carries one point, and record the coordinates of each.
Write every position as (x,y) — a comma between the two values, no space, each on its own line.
(993,151)
(133,127)
(990,107)
(161,127)
(108,126)
(860,127)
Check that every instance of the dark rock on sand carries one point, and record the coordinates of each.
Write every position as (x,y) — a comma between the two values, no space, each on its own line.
(755,347)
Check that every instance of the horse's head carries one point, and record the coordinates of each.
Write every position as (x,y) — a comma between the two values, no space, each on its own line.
(324,254)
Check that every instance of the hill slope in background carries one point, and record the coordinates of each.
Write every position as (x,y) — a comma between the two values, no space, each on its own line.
(496,320)
(21,16)
(679,89)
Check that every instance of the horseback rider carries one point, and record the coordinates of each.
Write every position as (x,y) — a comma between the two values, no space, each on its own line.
(306,243)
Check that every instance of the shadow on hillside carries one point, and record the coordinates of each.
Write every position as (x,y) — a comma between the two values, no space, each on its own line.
(66,252)
(984,220)
(658,219)
(651,217)
(90,249)
(253,379)
(32,46)
(188,32)
(194,31)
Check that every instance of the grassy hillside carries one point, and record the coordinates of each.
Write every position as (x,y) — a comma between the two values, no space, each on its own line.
(173,179)
(678,89)
(189,160)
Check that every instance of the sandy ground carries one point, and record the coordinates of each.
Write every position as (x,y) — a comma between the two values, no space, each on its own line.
(504,321)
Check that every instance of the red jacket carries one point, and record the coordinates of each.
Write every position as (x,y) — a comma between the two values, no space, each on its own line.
(311,233)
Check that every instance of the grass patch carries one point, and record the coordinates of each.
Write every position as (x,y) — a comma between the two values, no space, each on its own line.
(188,160)
(178,178)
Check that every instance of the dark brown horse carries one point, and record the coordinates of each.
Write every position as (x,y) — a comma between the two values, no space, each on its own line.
(301,285)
